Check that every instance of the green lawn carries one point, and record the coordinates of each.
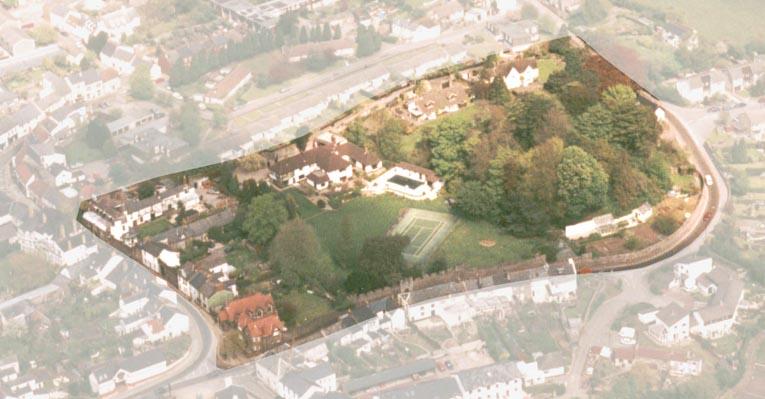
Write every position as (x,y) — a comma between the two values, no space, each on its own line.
(369,217)
(462,245)
(306,208)
(547,66)
(79,151)
(308,306)
(153,228)
(20,272)
(734,21)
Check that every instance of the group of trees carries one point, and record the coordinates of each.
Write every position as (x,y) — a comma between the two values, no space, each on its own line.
(258,41)
(319,33)
(368,41)
(537,160)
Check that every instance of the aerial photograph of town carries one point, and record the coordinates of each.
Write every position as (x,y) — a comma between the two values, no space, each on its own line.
(382,199)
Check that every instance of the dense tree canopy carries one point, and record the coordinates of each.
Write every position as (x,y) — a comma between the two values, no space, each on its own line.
(265,214)
(380,264)
(299,258)
(582,182)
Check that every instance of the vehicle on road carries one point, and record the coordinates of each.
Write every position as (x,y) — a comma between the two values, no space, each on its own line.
(708,180)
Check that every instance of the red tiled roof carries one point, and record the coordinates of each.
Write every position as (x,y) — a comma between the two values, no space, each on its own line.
(255,313)
(265,326)
(23,172)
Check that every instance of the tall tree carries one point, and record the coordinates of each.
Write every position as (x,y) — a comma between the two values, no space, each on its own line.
(265,214)
(299,259)
(141,86)
(449,148)
(381,263)
(582,182)
(190,123)
(388,139)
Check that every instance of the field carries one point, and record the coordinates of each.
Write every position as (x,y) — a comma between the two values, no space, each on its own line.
(368,216)
(738,22)
(426,230)
(375,216)
(463,246)
(308,306)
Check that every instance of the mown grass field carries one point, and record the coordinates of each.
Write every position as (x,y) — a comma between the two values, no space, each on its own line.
(462,246)
(374,216)
(368,216)
(734,21)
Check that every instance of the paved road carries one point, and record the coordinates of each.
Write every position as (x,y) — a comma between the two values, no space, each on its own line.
(635,288)
(200,360)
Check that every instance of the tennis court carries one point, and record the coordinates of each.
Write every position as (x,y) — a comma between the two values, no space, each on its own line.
(425,229)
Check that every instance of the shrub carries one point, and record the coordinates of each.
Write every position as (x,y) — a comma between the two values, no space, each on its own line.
(665,224)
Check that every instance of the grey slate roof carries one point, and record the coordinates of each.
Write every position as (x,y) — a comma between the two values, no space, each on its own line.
(486,376)
(444,388)
(389,375)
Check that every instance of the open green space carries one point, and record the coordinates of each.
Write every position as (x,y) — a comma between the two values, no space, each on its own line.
(305,207)
(308,306)
(368,217)
(547,66)
(463,245)
(153,227)
(738,22)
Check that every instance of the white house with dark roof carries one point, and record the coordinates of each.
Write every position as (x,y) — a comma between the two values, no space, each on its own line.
(119,23)
(69,21)
(499,380)
(107,377)
(408,181)
(15,41)
(699,87)
(522,73)
(120,57)
(672,326)
(306,382)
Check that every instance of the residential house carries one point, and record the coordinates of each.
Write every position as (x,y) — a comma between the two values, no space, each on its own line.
(120,23)
(177,237)
(304,383)
(120,213)
(672,325)
(54,92)
(229,85)
(155,253)
(91,84)
(408,181)
(107,377)
(340,48)
(442,388)
(718,317)
(699,87)
(71,22)
(505,6)
(517,36)
(119,57)
(255,315)
(433,98)
(687,274)
(522,73)
(321,166)
(202,279)
(451,11)
(605,225)
(15,41)
(9,100)
(418,31)
(167,324)
(742,77)
(677,35)
(499,380)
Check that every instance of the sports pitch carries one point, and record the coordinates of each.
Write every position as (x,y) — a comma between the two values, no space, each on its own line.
(425,229)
